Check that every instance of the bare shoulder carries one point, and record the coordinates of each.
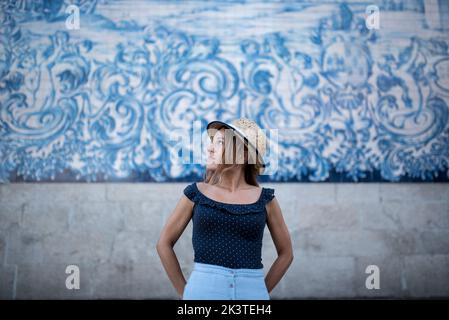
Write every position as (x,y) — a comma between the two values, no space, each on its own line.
(201,186)
(273,208)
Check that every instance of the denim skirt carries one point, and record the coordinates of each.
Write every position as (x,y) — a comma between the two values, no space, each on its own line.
(213,282)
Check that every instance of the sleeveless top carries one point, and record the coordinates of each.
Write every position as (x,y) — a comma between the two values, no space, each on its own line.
(225,234)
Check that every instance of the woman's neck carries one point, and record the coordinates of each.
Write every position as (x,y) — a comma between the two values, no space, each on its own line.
(233,181)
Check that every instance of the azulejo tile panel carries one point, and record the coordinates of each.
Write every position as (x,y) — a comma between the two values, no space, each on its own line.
(99,100)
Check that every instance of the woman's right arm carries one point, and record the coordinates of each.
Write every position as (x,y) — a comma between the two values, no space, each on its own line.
(174,227)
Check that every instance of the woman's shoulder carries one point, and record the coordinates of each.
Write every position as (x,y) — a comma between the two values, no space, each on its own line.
(267,194)
(191,191)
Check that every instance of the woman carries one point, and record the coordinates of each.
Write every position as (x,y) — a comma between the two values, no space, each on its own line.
(229,212)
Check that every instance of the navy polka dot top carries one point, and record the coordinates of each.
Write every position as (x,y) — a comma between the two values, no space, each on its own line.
(226,234)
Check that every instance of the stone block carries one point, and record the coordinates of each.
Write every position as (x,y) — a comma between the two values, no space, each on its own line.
(319,277)
(390,277)
(48,281)
(7,276)
(427,276)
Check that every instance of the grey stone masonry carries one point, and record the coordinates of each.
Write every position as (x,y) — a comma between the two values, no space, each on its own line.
(109,231)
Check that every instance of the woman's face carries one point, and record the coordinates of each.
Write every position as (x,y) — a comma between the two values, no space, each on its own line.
(215,150)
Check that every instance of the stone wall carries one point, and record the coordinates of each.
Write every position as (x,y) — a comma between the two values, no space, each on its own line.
(110,231)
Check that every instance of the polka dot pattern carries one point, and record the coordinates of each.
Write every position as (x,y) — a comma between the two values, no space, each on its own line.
(227,234)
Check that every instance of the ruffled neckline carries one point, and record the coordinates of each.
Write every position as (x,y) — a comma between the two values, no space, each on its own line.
(235,208)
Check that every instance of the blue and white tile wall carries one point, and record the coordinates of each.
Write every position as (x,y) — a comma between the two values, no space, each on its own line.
(98,103)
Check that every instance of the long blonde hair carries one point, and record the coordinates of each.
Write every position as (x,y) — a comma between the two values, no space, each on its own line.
(251,170)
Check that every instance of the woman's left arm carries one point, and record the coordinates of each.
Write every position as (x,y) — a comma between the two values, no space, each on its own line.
(281,238)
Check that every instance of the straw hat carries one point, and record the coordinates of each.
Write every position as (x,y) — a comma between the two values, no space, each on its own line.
(249,132)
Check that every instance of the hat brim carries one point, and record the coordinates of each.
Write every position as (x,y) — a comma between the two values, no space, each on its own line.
(218,124)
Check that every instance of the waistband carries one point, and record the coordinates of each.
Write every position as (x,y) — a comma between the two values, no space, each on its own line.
(197,266)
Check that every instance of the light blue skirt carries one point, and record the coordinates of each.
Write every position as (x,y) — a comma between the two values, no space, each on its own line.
(213,282)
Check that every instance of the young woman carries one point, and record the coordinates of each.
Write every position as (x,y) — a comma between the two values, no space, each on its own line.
(229,212)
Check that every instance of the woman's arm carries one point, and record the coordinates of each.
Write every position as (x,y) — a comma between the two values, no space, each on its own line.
(281,238)
(176,223)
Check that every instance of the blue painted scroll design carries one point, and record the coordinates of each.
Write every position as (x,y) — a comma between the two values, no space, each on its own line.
(42,99)
(410,110)
(65,108)
(346,83)
(191,82)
